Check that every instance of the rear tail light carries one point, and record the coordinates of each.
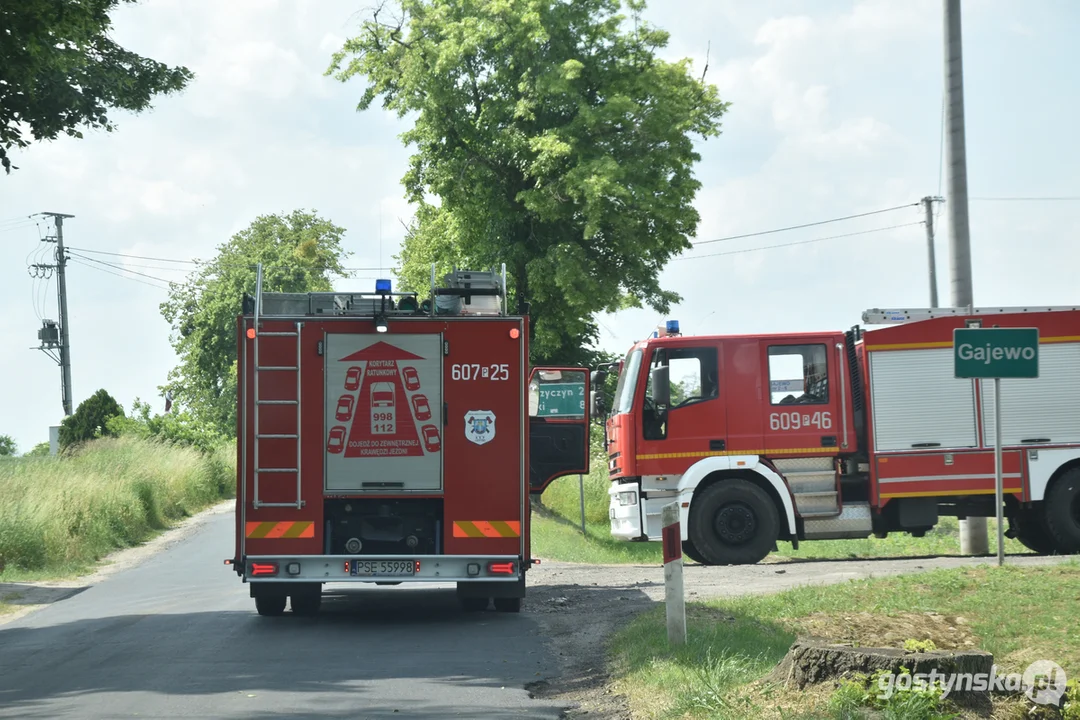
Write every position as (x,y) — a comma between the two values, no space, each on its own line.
(501,568)
(260,569)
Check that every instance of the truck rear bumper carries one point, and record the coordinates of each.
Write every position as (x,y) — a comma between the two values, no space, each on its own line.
(382,568)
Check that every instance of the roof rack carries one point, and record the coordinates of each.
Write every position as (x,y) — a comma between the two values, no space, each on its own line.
(877,316)
(463,292)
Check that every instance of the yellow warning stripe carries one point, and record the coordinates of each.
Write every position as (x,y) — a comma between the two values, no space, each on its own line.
(730,453)
(935,493)
(487,528)
(949,343)
(274,530)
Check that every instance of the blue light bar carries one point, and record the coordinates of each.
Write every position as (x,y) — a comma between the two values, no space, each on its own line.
(673,327)
(382,285)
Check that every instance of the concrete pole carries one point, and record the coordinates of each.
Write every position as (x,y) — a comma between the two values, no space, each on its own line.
(61,292)
(973,536)
(928,205)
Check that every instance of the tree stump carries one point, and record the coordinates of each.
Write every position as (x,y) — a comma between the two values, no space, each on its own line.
(811,661)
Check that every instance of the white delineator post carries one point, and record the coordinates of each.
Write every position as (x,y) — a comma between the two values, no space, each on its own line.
(674,597)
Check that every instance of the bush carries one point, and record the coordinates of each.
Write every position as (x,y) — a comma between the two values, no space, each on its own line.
(59,513)
(90,420)
(40,450)
(8,448)
(179,428)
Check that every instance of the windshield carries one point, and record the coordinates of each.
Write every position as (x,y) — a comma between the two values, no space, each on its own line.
(624,391)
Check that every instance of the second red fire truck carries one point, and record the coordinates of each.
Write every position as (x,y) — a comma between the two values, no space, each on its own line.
(794,437)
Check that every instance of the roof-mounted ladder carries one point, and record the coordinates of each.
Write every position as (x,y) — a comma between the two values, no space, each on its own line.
(259,402)
(877,316)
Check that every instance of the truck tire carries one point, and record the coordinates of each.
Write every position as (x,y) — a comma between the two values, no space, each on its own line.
(690,551)
(1030,531)
(1062,511)
(270,605)
(508,604)
(733,522)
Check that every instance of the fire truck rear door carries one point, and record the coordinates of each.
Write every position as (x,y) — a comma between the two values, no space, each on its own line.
(558,424)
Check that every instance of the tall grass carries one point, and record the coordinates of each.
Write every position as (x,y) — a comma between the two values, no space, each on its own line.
(60,514)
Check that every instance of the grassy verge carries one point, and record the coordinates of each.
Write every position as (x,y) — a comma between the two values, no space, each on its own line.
(557,533)
(1018,614)
(59,515)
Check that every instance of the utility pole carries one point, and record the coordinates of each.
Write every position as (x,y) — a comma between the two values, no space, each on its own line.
(50,336)
(973,537)
(928,205)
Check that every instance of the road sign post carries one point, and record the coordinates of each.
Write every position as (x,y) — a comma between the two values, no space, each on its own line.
(992,354)
(674,599)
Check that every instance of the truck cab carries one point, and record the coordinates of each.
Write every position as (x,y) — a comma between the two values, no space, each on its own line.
(719,425)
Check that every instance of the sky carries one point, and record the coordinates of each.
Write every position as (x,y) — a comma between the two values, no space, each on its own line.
(836,110)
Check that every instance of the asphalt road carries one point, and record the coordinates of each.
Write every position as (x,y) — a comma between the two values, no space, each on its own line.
(178,636)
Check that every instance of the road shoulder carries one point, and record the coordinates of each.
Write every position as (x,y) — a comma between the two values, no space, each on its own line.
(29,597)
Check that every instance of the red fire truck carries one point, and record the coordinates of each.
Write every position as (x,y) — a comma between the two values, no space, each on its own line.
(808,436)
(386,440)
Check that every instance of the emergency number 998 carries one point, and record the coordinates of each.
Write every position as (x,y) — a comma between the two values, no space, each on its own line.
(476,371)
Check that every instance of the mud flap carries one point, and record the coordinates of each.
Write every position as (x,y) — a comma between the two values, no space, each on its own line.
(492,589)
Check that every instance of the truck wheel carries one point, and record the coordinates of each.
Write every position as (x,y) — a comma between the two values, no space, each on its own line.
(270,605)
(508,604)
(690,551)
(733,522)
(1062,510)
(1031,532)
(474,604)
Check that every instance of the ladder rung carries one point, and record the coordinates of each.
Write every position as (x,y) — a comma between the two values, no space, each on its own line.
(275,333)
(277,436)
(291,368)
(275,402)
(292,504)
(275,470)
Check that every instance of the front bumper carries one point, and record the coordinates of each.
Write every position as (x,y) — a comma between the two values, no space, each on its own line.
(335,568)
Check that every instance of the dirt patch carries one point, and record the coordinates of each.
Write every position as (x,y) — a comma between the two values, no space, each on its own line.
(947,632)
(30,596)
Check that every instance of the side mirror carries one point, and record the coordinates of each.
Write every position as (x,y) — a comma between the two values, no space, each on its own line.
(661,387)
(597,377)
(596,404)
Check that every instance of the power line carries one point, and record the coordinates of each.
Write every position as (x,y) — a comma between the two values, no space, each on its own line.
(805,225)
(126,277)
(139,257)
(207,262)
(122,268)
(800,242)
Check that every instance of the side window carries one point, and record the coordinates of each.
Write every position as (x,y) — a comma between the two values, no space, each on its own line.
(798,375)
(693,373)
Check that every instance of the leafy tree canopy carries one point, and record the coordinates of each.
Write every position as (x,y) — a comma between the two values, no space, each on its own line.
(300,252)
(548,135)
(90,420)
(7,446)
(59,71)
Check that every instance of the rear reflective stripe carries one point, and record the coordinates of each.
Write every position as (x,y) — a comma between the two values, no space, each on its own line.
(273,530)
(487,528)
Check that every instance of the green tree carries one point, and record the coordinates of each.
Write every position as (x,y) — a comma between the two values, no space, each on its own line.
(8,448)
(90,420)
(42,449)
(60,71)
(555,140)
(300,252)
